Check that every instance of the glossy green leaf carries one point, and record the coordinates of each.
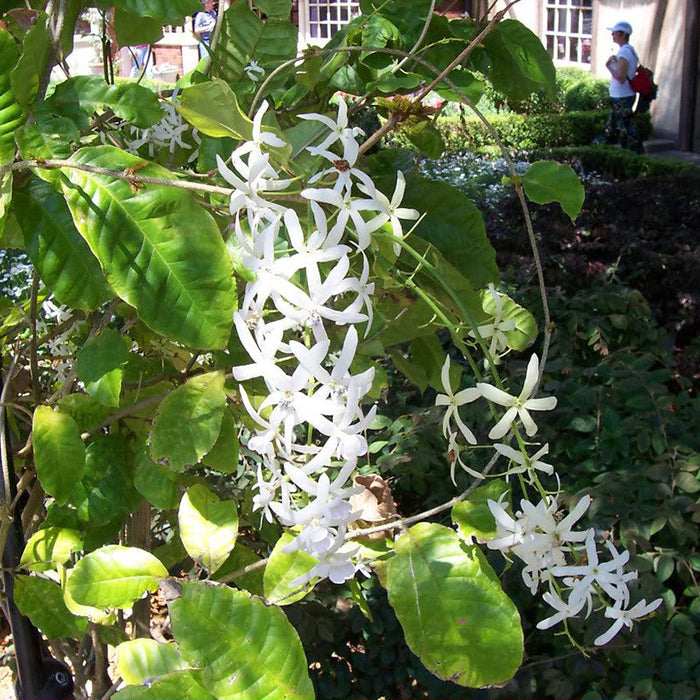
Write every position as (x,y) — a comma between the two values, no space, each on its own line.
(472,516)
(455,615)
(114,577)
(213,109)
(160,251)
(30,68)
(407,15)
(79,97)
(224,455)
(240,557)
(59,453)
(166,11)
(99,365)
(61,256)
(247,649)
(525,331)
(245,37)
(183,685)
(84,410)
(12,115)
(466,83)
(106,491)
(41,601)
(189,420)
(49,547)
(547,181)
(141,659)
(208,526)
(155,482)
(49,137)
(5,199)
(132,30)
(282,568)
(519,62)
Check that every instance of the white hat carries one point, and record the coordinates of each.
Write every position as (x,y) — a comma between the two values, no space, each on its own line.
(625,27)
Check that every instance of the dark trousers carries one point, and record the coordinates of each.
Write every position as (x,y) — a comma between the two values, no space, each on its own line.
(620,128)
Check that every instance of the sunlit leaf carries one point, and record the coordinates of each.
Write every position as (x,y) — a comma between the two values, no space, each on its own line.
(472,515)
(50,546)
(547,181)
(11,113)
(281,570)
(141,659)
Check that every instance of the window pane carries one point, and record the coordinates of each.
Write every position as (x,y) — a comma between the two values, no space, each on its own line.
(561,23)
(550,20)
(573,49)
(574,19)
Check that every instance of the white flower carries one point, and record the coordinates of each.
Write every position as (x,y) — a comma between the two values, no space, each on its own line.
(454,451)
(338,128)
(260,138)
(254,71)
(518,405)
(390,210)
(453,402)
(625,617)
(563,610)
(496,330)
(523,462)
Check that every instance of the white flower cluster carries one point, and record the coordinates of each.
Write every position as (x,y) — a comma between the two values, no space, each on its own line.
(167,133)
(310,423)
(60,347)
(539,535)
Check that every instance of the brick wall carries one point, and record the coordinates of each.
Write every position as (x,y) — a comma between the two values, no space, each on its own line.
(169,54)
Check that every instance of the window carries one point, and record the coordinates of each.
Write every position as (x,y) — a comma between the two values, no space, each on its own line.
(568,30)
(325,17)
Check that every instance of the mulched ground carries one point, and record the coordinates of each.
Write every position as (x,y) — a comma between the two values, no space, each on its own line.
(649,229)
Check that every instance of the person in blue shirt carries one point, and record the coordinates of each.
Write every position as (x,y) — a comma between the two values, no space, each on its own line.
(204,23)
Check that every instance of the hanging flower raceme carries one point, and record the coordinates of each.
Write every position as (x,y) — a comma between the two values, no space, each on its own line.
(310,424)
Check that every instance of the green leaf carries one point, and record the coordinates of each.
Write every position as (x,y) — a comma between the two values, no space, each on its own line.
(132,30)
(208,526)
(466,82)
(390,83)
(246,648)
(166,11)
(155,482)
(84,410)
(50,137)
(141,659)
(114,577)
(548,181)
(49,547)
(426,138)
(282,568)
(62,258)
(407,15)
(224,455)
(99,365)
(183,685)
(79,97)
(455,615)
(106,491)
(161,252)
(245,37)
(212,108)
(240,557)
(525,331)
(30,68)
(275,8)
(59,453)
(189,420)
(11,113)
(473,517)
(41,601)
(520,64)
(5,200)
(664,565)
(687,482)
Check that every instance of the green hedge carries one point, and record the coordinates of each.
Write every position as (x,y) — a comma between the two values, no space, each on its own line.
(525,133)
(614,162)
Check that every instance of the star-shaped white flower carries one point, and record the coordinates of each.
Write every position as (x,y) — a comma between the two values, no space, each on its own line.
(518,405)
(523,462)
(625,618)
(453,402)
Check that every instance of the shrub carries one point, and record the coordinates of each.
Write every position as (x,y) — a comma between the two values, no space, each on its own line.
(527,133)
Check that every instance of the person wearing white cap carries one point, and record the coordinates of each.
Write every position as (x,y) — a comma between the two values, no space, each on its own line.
(622,67)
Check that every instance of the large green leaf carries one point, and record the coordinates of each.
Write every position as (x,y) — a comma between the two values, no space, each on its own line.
(166,11)
(208,526)
(245,37)
(519,62)
(155,482)
(282,568)
(77,98)
(141,659)
(59,453)
(183,685)
(248,649)
(5,200)
(11,113)
(407,15)
(49,547)
(132,30)
(99,364)
(106,491)
(213,109)
(224,455)
(62,258)
(455,615)
(30,68)
(548,181)
(473,517)
(114,577)
(41,601)
(189,420)
(161,252)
